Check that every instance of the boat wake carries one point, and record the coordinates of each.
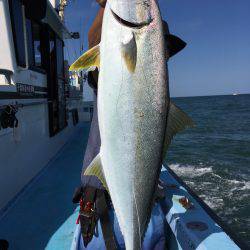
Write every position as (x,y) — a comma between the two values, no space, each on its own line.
(190,170)
(215,190)
(227,195)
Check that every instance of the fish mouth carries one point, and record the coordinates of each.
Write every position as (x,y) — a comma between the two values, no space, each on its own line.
(129,24)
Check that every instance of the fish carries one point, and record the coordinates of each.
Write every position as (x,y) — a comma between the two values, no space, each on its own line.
(137,120)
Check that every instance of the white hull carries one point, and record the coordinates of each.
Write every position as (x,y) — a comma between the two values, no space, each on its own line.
(34,78)
(26,150)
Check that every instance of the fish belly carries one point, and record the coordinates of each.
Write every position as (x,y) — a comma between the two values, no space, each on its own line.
(132,111)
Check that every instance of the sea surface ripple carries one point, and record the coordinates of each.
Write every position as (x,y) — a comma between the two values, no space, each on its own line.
(214,157)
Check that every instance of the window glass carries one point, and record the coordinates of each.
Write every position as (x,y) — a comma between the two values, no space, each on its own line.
(18,31)
(52,57)
(59,56)
(60,83)
(35,44)
(30,42)
(36,31)
(56,85)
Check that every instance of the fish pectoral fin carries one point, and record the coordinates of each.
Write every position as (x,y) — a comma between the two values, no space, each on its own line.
(87,60)
(95,168)
(177,121)
(129,53)
(174,44)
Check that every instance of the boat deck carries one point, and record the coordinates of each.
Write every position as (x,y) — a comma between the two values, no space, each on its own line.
(44,207)
(43,216)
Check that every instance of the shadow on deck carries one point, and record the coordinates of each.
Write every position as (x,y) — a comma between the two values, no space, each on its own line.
(45,205)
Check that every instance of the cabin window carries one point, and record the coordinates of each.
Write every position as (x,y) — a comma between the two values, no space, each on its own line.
(60,60)
(60,83)
(18,31)
(35,44)
(56,84)
(29,42)
(36,31)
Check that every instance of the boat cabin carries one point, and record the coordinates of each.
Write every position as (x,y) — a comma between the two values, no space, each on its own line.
(32,58)
(37,113)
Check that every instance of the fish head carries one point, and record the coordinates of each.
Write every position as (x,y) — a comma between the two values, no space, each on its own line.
(136,28)
(137,12)
(144,16)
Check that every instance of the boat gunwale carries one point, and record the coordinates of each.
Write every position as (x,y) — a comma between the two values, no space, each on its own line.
(232,235)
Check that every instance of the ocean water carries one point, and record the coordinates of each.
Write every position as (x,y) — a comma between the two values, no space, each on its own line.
(214,157)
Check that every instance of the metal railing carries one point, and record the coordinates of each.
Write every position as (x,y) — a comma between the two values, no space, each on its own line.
(22,105)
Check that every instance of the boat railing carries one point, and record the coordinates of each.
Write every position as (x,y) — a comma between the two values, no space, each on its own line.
(22,105)
(18,105)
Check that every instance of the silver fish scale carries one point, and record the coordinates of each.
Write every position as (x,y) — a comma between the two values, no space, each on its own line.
(150,99)
(132,116)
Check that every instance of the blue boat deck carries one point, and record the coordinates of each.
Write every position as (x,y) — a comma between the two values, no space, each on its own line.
(44,207)
(43,216)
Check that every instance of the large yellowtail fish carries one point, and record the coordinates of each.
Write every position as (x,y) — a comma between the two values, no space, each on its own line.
(136,118)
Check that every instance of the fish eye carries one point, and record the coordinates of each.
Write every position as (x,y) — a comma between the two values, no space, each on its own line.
(126,23)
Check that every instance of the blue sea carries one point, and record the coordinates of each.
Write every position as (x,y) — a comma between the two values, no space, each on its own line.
(214,157)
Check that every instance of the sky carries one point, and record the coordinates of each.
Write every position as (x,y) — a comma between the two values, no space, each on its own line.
(216,59)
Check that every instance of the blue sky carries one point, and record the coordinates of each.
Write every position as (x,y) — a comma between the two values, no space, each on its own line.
(217,57)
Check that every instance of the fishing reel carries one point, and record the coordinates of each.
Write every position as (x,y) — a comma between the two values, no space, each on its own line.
(8,117)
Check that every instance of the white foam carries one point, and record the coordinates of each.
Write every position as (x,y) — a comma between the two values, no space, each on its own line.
(197,171)
(246,186)
(213,202)
(190,170)
(190,183)
(213,188)
(230,210)
(233,181)
(239,185)
(216,175)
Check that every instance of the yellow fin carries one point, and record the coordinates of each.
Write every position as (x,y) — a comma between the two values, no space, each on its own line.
(177,121)
(88,59)
(95,168)
(129,53)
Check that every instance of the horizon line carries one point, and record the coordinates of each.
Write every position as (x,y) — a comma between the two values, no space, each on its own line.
(209,95)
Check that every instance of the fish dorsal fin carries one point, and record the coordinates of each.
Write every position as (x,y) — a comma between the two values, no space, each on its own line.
(177,121)
(95,168)
(174,44)
(129,52)
(88,59)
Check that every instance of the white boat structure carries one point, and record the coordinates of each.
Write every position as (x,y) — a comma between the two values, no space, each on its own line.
(38,110)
